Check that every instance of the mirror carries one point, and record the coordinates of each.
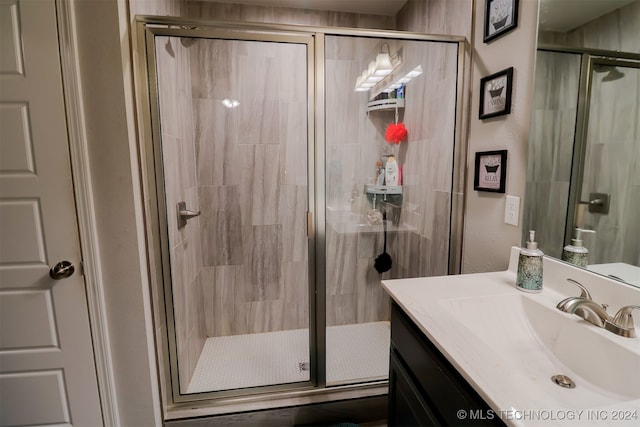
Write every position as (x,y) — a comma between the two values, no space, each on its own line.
(584,144)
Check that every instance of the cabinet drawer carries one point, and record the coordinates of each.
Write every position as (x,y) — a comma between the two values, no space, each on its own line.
(439,382)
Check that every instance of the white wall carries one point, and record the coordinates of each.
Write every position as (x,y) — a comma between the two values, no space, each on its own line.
(103,50)
(487,239)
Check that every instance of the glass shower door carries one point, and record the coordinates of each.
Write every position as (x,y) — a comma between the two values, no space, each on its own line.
(233,123)
(366,216)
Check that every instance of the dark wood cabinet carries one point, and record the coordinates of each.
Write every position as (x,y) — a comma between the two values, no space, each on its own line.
(424,388)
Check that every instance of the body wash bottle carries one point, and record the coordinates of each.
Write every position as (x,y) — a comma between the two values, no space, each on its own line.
(575,253)
(529,276)
(391,172)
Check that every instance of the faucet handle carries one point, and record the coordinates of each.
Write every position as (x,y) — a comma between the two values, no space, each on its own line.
(584,293)
(622,322)
(623,316)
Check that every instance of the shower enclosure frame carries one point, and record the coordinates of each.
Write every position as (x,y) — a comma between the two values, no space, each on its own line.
(316,389)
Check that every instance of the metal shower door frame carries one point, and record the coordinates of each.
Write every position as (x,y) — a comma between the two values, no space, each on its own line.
(315,390)
(153,165)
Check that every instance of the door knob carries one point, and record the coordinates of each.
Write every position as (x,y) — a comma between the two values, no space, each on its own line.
(61,270)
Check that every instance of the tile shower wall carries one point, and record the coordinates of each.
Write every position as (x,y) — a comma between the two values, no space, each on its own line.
(421,251)
(283,15)
(203,306)
(179,161)
(419,244)
(448,17)
(252,184)
(428,158)
(219,300)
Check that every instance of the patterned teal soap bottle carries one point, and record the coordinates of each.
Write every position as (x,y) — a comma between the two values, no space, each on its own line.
(529,278)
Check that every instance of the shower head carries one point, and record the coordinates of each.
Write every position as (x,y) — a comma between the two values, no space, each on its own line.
(600,68)
(614,74)
(187,41)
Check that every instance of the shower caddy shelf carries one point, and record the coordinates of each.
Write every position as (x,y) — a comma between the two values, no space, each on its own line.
(390,104)
(386,193)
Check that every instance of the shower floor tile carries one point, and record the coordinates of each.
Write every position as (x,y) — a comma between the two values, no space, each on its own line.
(355,353)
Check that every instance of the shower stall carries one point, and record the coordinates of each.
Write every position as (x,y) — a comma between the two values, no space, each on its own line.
(264,215)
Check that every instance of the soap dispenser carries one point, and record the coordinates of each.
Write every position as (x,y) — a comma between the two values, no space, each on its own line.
(576,253)
(529,276)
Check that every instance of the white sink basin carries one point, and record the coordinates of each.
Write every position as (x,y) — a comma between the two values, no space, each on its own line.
(539,341)
(508,344)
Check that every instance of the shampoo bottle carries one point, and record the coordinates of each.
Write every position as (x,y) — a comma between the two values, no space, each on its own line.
(529,276)
(576,253)
(391,172)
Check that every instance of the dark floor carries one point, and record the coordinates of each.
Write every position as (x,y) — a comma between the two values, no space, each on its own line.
(365,412)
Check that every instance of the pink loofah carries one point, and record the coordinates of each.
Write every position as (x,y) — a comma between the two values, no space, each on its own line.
(395,133)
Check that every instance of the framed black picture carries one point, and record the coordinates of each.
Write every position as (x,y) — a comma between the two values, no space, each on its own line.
(491,171)
(495,94)
(500,17)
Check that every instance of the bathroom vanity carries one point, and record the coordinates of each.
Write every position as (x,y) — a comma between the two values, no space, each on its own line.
(473,350)
(424,388)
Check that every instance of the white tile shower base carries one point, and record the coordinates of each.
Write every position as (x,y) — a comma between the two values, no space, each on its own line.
(355,353)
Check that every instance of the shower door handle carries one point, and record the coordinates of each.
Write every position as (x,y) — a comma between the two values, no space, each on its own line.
(184,214)
(597,203)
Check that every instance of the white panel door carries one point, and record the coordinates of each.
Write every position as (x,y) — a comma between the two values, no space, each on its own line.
(47,372)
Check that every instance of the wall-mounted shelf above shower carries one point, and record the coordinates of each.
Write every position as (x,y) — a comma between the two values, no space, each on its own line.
(385,193)
(385,104)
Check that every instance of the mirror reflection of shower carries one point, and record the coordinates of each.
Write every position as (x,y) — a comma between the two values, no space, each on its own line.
(584,156)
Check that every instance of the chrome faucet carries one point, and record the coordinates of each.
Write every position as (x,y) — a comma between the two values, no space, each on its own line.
(584,306)
(620,324)
(588,309)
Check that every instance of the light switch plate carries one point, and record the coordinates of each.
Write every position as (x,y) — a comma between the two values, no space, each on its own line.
(512,210)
